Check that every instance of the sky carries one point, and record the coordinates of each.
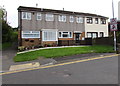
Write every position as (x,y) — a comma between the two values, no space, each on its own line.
(100,7)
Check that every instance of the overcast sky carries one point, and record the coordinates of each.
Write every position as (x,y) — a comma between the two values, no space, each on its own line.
(100,7)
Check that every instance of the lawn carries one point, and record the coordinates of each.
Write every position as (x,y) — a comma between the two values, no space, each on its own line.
(59,52)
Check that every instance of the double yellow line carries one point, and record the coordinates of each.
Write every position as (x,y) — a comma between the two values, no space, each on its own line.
(61,64)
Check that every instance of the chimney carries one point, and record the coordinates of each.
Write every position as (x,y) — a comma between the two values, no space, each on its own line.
(63,9)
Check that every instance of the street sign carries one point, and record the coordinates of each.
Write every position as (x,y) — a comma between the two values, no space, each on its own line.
(113,24)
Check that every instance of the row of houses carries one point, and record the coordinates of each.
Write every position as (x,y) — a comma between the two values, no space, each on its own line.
(39,26)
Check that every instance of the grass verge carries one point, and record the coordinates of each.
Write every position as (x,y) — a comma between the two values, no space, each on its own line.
(59,52)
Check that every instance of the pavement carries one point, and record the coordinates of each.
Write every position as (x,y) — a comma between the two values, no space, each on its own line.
(9,65)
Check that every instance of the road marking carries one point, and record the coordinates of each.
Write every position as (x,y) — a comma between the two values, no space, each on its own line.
(84,60)
(24,66)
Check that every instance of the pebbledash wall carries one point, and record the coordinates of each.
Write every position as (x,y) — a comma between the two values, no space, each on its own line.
(39,26)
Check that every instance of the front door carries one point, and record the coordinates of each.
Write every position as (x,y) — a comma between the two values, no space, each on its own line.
(77,37)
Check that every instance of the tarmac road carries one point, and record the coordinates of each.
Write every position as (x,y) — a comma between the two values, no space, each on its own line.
(100,71)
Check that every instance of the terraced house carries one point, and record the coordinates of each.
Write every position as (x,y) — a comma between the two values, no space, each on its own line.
(39,26)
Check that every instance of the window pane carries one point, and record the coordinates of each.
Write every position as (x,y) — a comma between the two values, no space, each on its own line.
(60,35)
(30,34)
(71,19)
(94,35)
(89,35)
(89,20)
(101,34)
(103,21)
(39,16)
(65,35)
(24,15)
(29,16)
(49,17)
(62,18)
(70,34)
(96,20)
(79,20)
(50,36)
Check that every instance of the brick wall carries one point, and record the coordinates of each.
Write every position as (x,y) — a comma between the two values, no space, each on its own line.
(31,42)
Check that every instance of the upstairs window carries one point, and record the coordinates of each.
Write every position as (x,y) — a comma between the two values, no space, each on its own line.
(49,17)
(79,19)
(89,20)
(30,34)
(39,16)
(62,18)
(71,19)
(103,21)
(96,21)
(26,15)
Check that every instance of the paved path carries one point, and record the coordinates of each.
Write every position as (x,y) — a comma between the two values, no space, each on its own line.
(7,56)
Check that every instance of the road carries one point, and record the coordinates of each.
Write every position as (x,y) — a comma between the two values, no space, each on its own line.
(100,71)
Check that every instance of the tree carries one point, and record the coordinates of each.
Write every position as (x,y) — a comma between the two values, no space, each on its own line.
(6,29)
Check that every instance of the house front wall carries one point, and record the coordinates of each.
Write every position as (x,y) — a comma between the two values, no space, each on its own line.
(96,27)
(35,24)
(77,29)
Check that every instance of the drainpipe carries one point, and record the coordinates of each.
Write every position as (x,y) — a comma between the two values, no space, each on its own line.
(20,26)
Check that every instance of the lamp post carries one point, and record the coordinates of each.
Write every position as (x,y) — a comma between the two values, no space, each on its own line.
(114,30)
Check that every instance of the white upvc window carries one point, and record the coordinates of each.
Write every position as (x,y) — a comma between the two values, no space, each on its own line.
(89,20)
(92,34)
(30,34)
(71,19)
(79,19)
(65,34)
(26,15)
(49,35)
(49,17)
(39,16)
(62,18)
(89,35)
(103,21)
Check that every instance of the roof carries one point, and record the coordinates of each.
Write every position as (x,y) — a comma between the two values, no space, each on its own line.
(23,8)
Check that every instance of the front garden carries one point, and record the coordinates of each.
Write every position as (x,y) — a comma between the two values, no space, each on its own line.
(59,52)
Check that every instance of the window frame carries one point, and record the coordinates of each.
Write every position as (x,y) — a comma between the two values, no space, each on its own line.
(27,15)
(102,34)
(49,17)
(89,20)
(79,19)
(30,33)
(103,20)
(39,15)
(62,18)
(96,20)
(49,31)
(71,19)
(69,33)
(92,34)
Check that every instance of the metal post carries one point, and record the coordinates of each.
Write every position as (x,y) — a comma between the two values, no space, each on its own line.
(115,41)
(114,31)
